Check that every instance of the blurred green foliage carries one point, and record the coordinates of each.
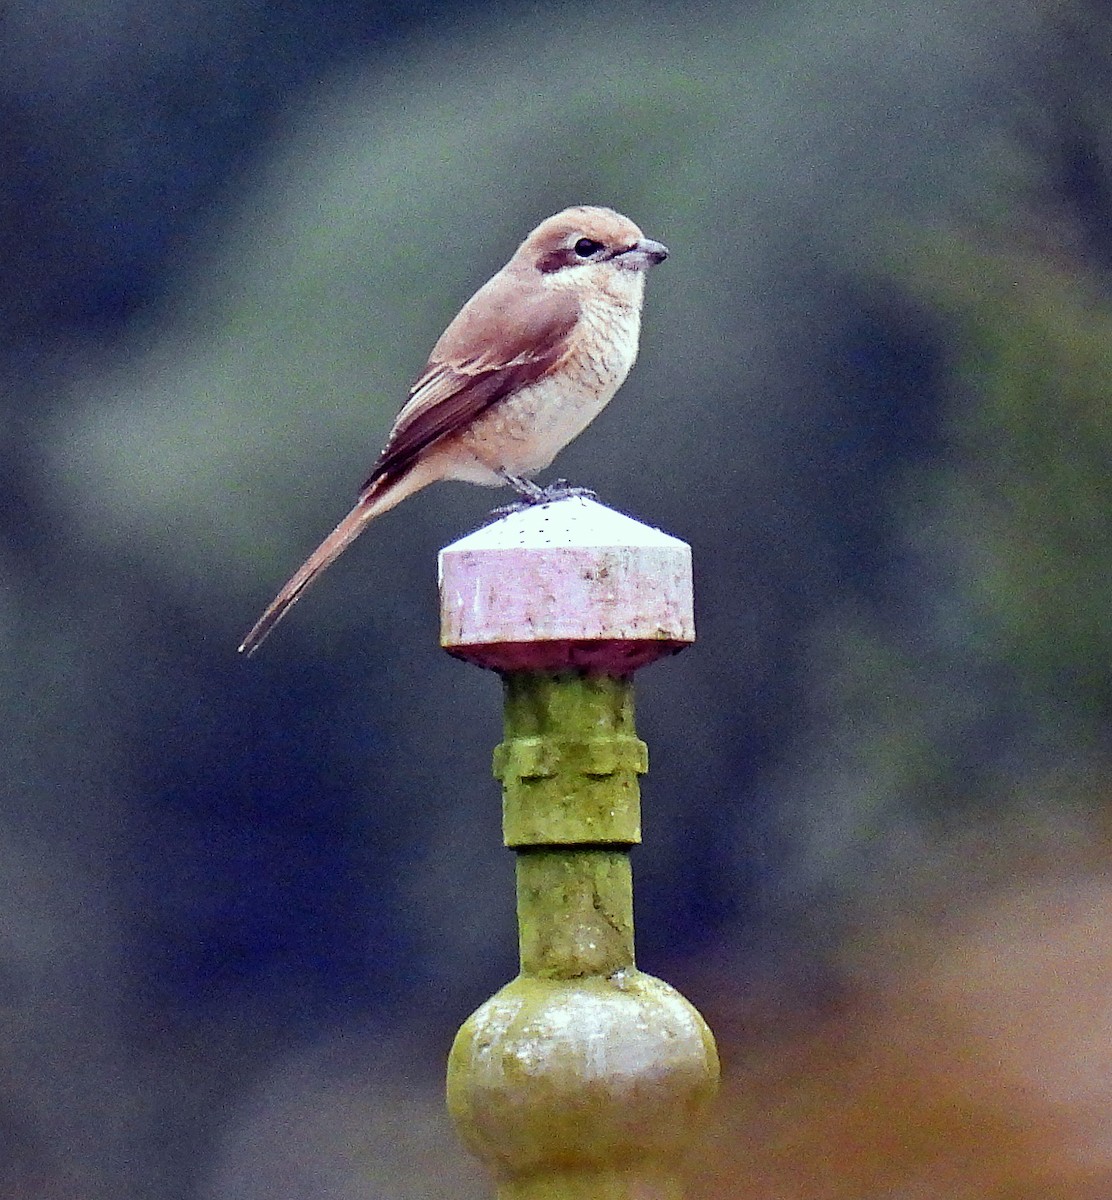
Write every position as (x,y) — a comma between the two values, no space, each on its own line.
(1025,494)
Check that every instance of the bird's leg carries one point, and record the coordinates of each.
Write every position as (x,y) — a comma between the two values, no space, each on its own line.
(531,493)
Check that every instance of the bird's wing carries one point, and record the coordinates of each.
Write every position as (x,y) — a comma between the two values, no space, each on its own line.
(505,337)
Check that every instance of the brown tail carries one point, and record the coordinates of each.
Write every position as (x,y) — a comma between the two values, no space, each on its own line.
(371,504)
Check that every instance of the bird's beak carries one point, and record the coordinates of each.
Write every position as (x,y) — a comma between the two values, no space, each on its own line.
(644,253)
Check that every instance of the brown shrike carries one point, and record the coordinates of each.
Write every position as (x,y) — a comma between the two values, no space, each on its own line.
(530,360)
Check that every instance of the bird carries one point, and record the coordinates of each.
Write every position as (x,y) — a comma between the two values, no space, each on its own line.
(527,363)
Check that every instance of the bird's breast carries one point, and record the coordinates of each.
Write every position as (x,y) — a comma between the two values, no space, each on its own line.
(529,428)
(522,432)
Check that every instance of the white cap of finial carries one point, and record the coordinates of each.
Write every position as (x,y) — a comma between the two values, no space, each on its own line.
(566,585)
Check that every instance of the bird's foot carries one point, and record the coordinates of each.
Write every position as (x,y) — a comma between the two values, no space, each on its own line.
(560,489)
(532,494)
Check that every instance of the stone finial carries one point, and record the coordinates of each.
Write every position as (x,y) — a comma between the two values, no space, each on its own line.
(571,584)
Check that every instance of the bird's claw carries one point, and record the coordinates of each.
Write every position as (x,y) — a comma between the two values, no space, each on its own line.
(560,489)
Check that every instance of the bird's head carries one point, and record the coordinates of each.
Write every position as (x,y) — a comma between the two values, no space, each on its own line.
(589,243)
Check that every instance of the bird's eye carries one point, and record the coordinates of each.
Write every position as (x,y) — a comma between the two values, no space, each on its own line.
(585,247)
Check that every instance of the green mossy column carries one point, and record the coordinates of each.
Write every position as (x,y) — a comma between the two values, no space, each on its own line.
(584,1078)
(571,809)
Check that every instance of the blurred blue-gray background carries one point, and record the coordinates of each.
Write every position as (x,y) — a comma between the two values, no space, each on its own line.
(247,903)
